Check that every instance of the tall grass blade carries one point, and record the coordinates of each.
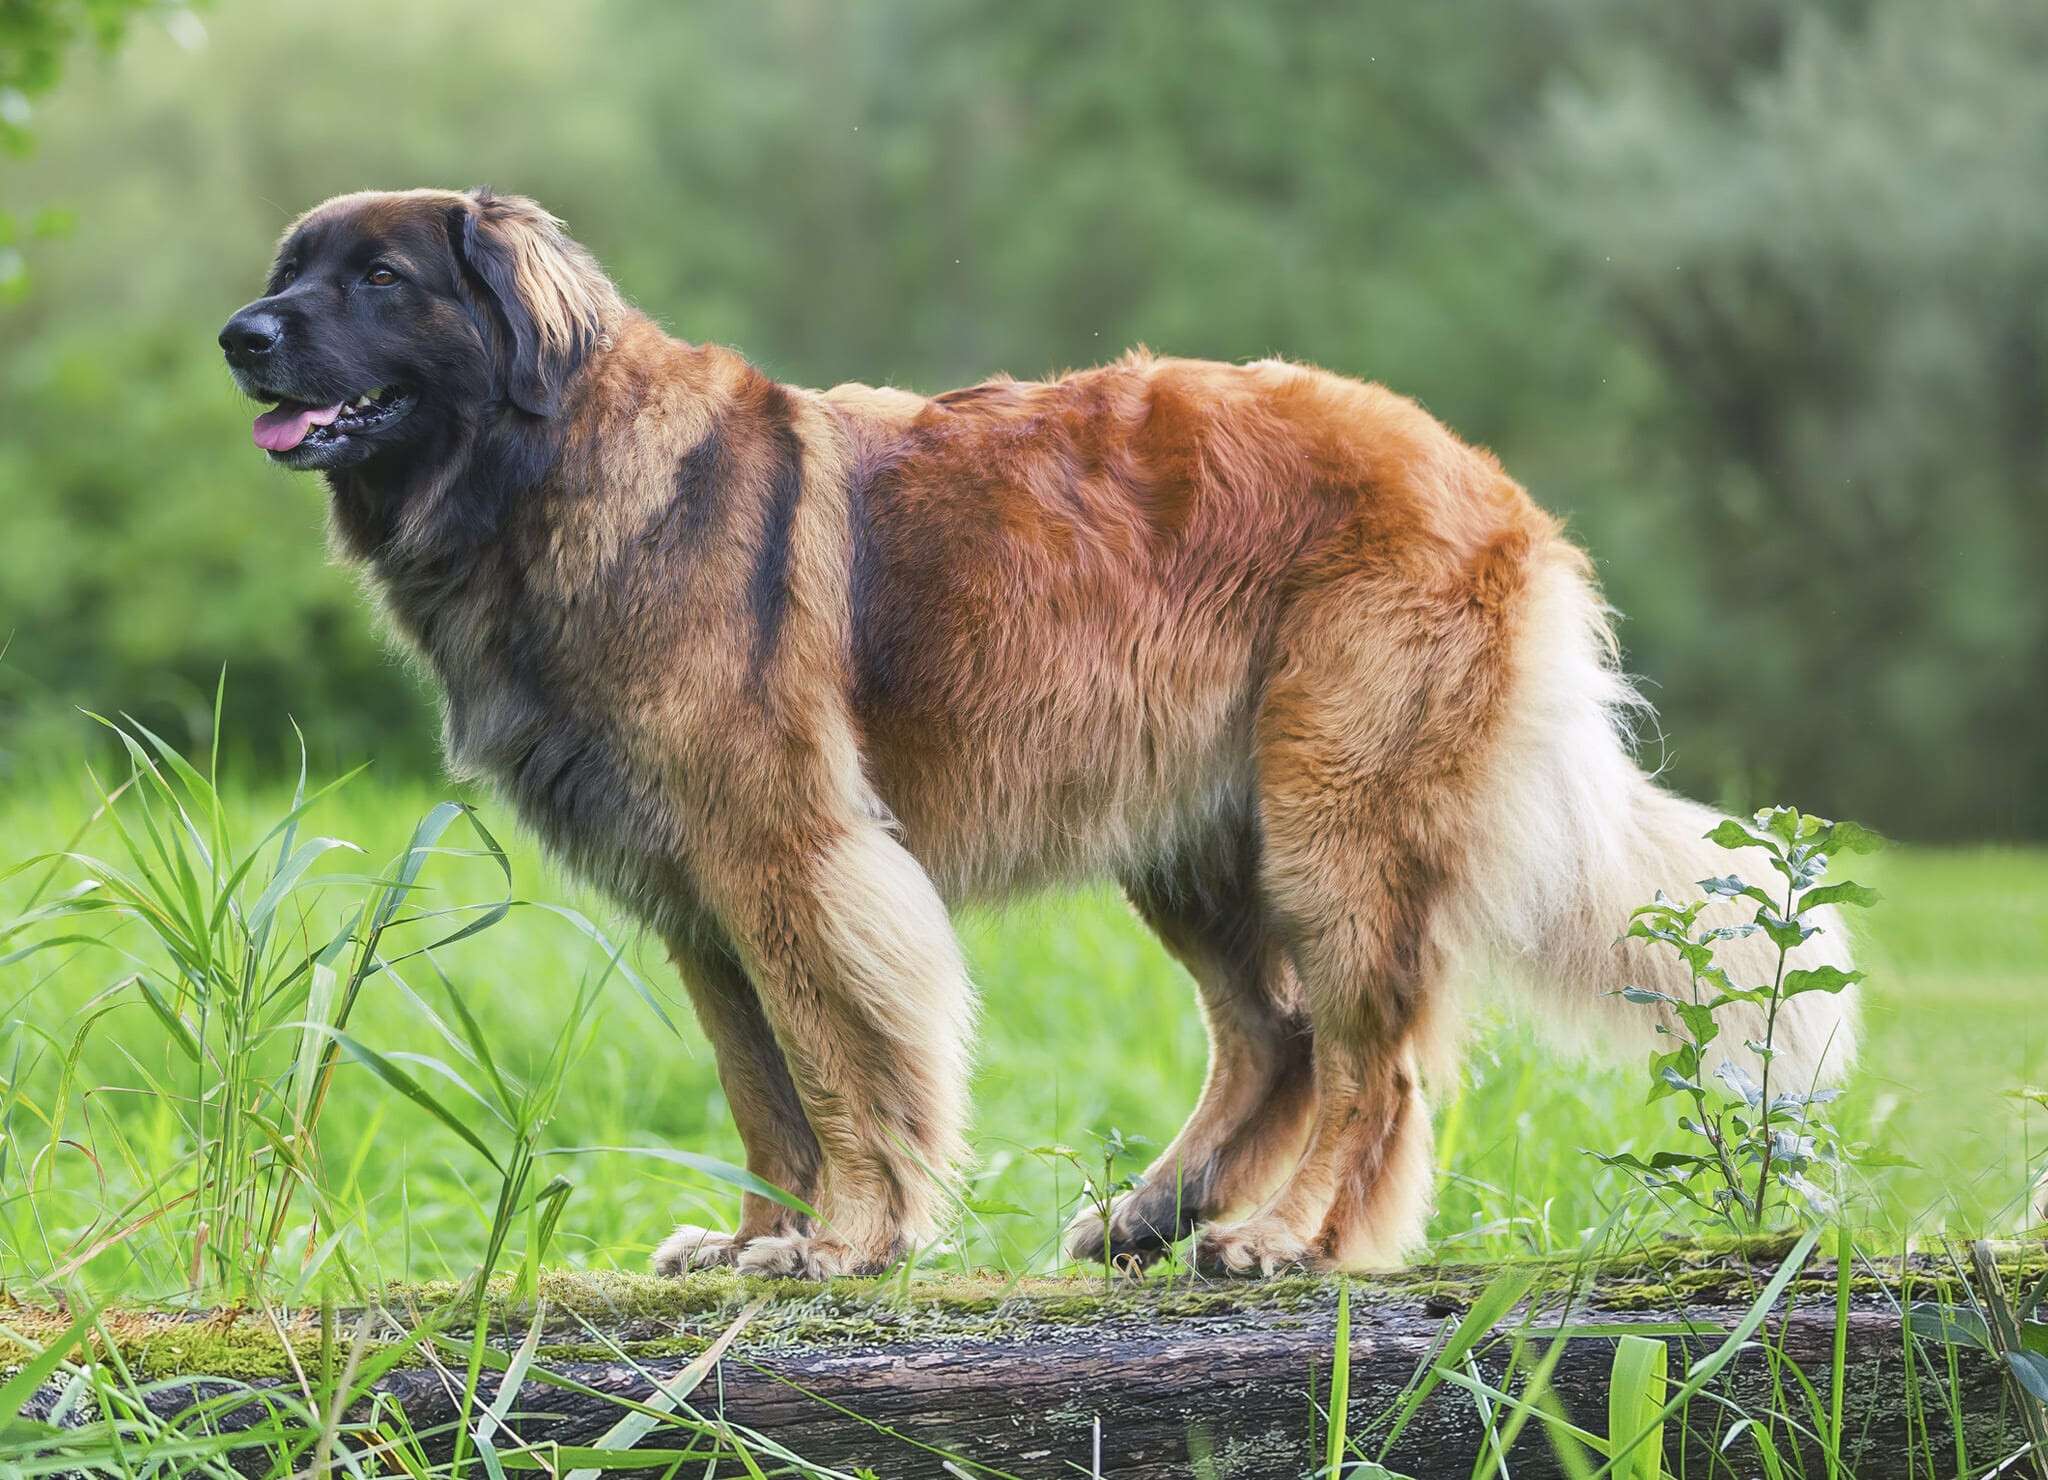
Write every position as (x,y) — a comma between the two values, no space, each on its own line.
(671,1395)
(1533,1390)
(1709,1366)
(1635,1402)
(1838,1357)
(32,1374)
(1340,1384)
(492,1420)
(411,1088)
(1502,1294)
(1760,1436)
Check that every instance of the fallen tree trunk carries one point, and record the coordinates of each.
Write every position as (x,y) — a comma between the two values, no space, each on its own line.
(971,1376)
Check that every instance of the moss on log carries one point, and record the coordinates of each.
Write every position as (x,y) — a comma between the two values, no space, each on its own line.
(1176,1377)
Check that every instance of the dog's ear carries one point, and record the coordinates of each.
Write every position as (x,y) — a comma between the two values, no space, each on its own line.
(550,301)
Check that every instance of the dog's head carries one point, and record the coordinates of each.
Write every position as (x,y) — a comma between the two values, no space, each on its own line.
(398,322)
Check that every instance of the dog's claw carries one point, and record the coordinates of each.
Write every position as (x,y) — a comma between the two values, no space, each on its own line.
(692,1248)
(796,1257)
(1258,1249)
(1135,1243)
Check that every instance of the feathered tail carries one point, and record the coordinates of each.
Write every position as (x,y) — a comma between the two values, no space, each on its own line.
(1572,836)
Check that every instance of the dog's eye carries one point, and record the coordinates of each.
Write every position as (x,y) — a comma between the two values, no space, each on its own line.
(380,276)
(287,274)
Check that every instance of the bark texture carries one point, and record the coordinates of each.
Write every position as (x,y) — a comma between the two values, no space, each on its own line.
(1203,1379)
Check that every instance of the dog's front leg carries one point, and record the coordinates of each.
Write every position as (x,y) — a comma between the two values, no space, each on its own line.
(777,1134)
(854,960)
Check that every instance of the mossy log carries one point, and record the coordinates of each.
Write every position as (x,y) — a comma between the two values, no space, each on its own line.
(903,1378)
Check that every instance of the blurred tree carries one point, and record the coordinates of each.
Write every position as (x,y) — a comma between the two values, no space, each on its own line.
(1840,270)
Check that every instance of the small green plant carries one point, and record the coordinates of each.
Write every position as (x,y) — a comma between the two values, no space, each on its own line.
(2011,1329)
(1752,1143)
(1099,1188)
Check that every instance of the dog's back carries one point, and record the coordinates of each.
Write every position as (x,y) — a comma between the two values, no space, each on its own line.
(1068,597)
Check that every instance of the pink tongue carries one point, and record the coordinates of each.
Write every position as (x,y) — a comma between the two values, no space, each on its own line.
(282,429)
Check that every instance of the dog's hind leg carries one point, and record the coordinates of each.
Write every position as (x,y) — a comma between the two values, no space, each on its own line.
(1247,1128)
(1357,907)
(1372,738)
(780,1147)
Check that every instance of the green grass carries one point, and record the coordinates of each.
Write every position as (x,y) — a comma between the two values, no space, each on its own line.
(1086,1025)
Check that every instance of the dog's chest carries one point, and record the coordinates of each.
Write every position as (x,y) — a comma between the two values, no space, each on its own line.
(519,713)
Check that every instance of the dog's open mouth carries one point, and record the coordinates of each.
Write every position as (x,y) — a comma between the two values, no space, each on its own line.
(291,425)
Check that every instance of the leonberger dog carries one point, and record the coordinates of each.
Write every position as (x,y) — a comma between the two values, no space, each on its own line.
(791,673)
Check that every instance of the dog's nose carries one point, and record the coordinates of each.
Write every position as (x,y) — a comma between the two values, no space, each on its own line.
(250,335)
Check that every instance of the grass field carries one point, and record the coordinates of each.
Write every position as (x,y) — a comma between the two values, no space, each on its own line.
(1086,1026)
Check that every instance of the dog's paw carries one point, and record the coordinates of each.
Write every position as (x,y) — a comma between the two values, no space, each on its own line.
(691,1247)
(1255,1249)
(795,1257)
(1140,1231)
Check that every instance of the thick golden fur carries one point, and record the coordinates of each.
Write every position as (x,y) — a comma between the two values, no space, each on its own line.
(791,673)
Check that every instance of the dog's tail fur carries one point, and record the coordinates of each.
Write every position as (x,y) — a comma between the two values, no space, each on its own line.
(1572,836)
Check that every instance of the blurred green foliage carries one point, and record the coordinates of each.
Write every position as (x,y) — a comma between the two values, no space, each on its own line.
(1753,293)
(36,36)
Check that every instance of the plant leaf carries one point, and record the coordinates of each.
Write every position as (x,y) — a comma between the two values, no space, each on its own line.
(993,1207)
(1847,837)
(1733,835)
(1846,892)
(2031,1368)
(1781,822)
(411,1088)
(1731,886)
(1819,979)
